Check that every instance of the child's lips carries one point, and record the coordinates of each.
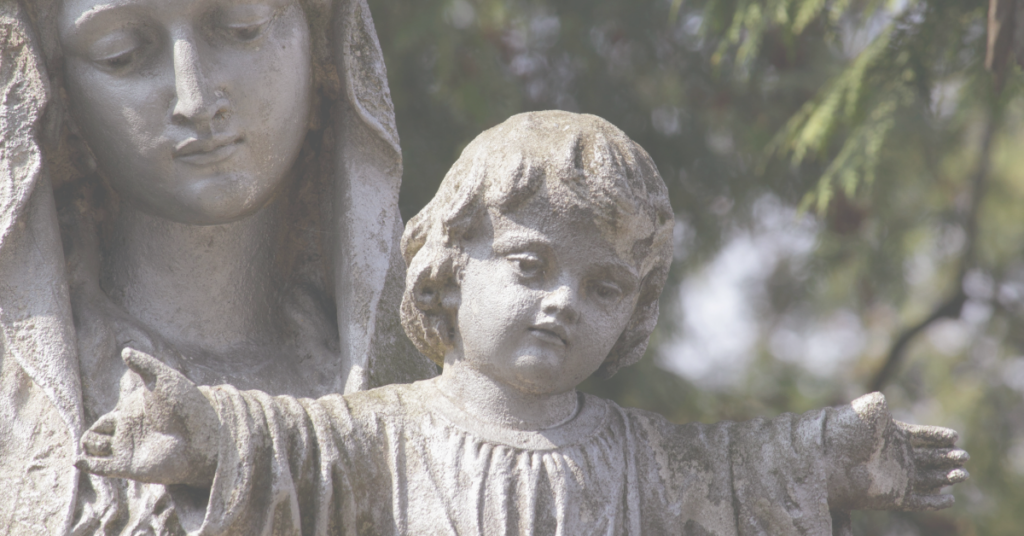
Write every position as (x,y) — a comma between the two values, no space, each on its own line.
(552,333)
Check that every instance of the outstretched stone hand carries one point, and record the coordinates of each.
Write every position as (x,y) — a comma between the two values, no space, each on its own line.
(164,434)
(878,463)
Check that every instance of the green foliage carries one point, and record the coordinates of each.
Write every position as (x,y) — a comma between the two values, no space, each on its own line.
(869,114)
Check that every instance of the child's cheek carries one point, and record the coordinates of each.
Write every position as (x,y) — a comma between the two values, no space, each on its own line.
(522,303)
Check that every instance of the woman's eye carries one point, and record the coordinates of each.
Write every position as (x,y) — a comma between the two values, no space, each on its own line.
(119,61)
(117,51)
(245,23)
(245,32)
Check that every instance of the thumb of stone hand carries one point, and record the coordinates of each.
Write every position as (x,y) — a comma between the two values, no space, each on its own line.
(142,438)
(147,367)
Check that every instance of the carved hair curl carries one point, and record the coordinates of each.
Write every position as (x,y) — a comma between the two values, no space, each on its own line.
(576,158)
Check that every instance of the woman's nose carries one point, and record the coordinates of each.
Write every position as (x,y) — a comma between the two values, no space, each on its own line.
(561,303)
(198,102)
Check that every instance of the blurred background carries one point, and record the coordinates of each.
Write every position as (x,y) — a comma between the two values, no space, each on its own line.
(848,188)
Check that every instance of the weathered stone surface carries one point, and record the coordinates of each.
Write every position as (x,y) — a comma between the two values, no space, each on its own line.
(215,183)
(539,263)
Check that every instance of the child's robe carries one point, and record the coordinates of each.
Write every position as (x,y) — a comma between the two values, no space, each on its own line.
(403,459)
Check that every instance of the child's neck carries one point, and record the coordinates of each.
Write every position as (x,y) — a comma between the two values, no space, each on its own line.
(491,401)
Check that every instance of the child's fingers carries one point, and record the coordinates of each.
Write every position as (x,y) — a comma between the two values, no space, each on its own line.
(97,444)
(928,502)
(97,439)
(145,365)
(105,425)
(938,478)
(102,466)
(941,458)
(930,436)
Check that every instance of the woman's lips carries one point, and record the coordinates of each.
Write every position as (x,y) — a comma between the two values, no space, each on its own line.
(205,152)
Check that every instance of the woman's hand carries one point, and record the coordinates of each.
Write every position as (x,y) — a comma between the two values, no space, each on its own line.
(164,434)
(877,463)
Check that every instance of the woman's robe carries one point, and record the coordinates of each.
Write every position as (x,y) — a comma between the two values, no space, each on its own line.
(404,459)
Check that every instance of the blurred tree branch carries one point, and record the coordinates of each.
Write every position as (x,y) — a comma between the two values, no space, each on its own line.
(1002,15)
(951,306)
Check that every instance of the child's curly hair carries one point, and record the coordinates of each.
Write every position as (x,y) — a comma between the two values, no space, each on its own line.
(574,159)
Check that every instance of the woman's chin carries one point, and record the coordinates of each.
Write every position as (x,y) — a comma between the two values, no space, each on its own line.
(212,201)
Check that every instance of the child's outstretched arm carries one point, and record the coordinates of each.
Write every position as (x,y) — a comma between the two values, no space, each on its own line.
(165,433)
(877,463)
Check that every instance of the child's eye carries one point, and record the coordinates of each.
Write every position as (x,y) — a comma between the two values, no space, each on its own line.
(527,264)
(606,290)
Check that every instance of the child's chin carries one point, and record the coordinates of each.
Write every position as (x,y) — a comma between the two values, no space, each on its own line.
(541,373)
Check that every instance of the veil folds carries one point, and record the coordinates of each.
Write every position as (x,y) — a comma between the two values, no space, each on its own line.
(360,216)
(38,355)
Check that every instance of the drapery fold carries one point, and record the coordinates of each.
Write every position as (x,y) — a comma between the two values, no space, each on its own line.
(38,356)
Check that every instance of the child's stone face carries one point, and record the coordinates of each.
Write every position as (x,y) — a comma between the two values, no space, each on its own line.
(544,297)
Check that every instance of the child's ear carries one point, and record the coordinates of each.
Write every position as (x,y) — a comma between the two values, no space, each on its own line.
(451,299)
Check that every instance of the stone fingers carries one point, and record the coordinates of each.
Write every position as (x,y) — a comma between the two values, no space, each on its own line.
(929,436)
(934,479)
(110,466)
(940,458)
(160,379)
(106,425)
(928,502)
(939,467)
(97,444)
(145,365)
(97,440)
(938,464)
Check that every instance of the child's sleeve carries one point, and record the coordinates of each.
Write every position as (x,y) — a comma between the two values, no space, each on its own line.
(779,475)
(739,479)
(279,467)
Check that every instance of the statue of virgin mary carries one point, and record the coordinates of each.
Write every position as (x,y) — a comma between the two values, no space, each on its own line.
(212,182)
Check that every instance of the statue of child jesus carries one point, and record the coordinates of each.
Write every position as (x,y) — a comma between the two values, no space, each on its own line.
(538,263)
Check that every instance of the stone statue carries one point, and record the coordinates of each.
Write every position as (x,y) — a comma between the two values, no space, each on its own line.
(212,182)
(539,262)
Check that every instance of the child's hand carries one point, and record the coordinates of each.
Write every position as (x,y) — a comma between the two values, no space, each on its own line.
(164,434)
(877,463)
(937,463)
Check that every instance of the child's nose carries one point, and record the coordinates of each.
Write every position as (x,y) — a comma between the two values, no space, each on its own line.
(561,303)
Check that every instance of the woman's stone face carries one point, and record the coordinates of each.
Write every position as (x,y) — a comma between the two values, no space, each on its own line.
(195,109)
